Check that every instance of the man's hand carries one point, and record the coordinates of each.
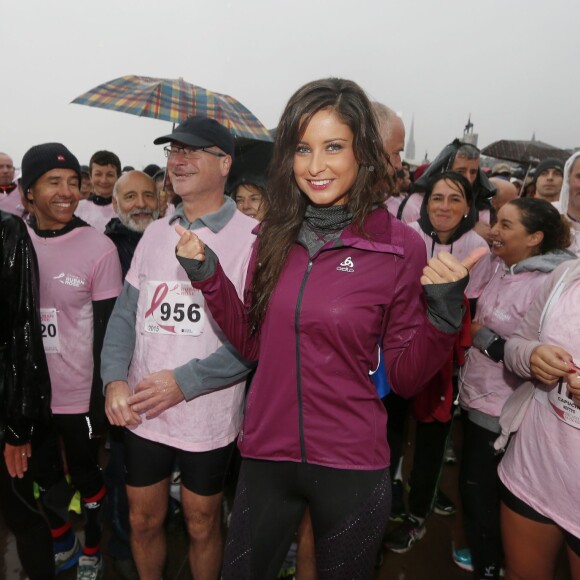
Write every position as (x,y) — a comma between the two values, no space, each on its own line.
(189,245)
(117,405)
(156,393)
(548,363)
(16,457)
(447,268)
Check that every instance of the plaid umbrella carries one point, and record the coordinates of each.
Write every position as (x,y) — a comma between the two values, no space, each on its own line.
(527,152)
(173,100)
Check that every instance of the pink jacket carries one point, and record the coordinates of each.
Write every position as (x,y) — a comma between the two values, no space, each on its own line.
(520,346)
(505,295)
(312,399)
(459,248)
(542,462)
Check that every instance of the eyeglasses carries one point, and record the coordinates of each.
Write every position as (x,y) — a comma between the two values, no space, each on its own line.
(189,152)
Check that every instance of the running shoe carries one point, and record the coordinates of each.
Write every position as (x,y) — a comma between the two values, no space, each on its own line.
(443,505)
(288,569)
(462,558)
(402,538)
(67,558)
(90,568)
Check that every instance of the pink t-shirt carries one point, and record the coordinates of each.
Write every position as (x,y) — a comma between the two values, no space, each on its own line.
(76,269)
(95,215)
(11,203)
(173,327)
(542,463)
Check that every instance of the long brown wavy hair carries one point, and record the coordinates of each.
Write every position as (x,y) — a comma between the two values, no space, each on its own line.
(287,204)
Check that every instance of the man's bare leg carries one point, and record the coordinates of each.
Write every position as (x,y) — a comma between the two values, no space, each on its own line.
(203,519)
(147,510)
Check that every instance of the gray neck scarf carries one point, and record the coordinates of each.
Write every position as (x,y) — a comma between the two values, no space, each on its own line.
(322,225)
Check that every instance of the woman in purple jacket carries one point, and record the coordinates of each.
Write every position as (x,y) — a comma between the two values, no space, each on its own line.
(331,273)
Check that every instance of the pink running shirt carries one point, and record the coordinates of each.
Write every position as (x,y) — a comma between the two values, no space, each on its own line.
(95,215)
(173,327)
(76,268)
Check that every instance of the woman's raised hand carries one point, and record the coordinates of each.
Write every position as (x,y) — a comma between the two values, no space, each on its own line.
(549,362)
(189,245)
(447,268)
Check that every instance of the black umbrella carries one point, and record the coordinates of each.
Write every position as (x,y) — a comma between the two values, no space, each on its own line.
(251,162)
(525,152)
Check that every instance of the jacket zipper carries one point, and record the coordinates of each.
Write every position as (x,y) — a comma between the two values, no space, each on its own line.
(298,374)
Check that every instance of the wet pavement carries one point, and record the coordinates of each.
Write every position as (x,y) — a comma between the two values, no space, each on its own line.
(429,559)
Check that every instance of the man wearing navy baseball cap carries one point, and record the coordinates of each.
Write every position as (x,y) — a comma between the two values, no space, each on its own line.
(201,133)
(163,350)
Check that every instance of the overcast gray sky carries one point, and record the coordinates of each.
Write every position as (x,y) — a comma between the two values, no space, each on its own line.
(512,64)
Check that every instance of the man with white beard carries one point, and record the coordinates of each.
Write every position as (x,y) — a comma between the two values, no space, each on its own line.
(136,204)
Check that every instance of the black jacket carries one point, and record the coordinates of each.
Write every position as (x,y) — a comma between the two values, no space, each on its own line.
(24,378)
(126,241)
(483,189)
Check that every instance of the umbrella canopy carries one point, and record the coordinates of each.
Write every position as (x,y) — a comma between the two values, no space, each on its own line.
(524,151)
(251,164)
(173,100)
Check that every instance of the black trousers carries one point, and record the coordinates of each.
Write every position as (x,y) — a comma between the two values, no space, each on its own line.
(430,442)
(479,486)
(23,518)
(397,415)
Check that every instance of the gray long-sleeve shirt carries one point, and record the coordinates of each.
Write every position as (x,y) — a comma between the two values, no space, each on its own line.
(221,369)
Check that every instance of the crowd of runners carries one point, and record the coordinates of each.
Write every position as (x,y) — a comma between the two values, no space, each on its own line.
(262,321)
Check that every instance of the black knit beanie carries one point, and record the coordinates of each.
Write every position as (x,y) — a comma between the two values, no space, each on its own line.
(548,163)
(42,158)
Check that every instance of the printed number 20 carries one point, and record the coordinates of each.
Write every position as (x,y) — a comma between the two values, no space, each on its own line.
(179,312)
(48,330)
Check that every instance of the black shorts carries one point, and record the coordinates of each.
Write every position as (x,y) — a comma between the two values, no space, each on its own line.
(149,462)
(521,508)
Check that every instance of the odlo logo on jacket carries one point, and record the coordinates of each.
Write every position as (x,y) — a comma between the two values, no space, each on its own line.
(346,266)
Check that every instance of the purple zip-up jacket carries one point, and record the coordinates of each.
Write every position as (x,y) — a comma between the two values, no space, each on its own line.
(311,399)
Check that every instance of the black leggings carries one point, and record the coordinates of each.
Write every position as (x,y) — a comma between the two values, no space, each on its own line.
(479,487)
(81,452)
(349,511)
(20,512)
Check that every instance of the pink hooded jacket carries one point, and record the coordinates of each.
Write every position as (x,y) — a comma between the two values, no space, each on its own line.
(504,297)
(542,462)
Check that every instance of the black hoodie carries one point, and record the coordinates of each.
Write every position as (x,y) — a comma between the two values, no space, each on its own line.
(125,240)
(483,190)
